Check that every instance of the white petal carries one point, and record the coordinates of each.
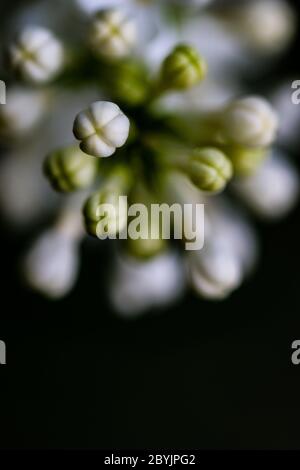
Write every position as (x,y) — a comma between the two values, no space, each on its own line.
(33,72)
(51,56)
(96,147)
(117,130)
(103,112)
(35,37)
(83,126)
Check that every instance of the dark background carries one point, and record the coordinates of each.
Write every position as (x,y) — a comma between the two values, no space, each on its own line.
(199,375)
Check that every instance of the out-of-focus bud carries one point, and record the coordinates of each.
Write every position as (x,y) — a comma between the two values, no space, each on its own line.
(183,68)
(101,128)
(273,190)
(104,215)
(267,25)
(112,34)
(138,286)
(209,169)
(51,266)
(229,254)
(69,169)
(106,211)
(129,83)
(24,109)
(229,231)
(287,108)
(249,122)
(214,273)
(37,55)
(246,160)
(144,248)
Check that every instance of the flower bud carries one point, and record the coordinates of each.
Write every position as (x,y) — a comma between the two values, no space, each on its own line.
(246,160)
(273,190)
(267,25)
(51,267)
(37,55)
(69,169)
(183,68)
(139,285)
(112,34)
(209,169)
(145,248)
(229,254)
(101,128)
(214,273)
(105,214)
(129,83)
(248,122)
(13,120)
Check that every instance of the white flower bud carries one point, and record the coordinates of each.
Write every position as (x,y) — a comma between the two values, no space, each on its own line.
(138,285)
(273,190)
(215,273)
(229,253)
(22,112)
(112,34)
(248,121)
(267,25)
(51,267)
(228,228)
(37,54)
(101,128)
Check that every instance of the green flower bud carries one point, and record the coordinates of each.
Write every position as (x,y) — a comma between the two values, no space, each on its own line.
(183,68)
(129,83)
(105,212)
(69,169)
(209,169)
(145,248)
(245,160)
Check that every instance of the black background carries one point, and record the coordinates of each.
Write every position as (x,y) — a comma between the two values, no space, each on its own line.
(198,375)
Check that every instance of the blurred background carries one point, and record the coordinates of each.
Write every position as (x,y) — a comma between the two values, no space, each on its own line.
(194,375)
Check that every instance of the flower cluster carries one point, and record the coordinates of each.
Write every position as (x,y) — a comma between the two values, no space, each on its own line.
(125,96)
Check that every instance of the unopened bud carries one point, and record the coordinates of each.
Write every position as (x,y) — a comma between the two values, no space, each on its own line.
(209,169)
(101,128)
(249,122)
(183,68)
(69,169)
(112,34)
(37,55)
